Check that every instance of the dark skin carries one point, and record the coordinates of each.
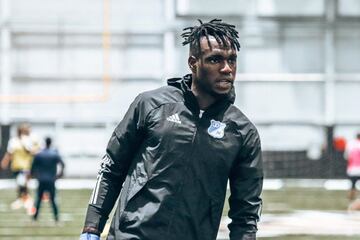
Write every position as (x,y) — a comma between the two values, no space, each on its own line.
(213,72)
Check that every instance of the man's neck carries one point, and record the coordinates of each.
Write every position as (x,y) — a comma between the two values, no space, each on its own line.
(204,99)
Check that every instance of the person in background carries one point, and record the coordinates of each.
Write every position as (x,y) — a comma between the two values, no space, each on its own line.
(352,154)
(175,150)
(19,156)
(47,167)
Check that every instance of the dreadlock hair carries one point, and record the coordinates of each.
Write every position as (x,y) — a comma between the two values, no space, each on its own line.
(224,34)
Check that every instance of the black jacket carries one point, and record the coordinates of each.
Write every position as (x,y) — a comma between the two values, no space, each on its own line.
(172,167)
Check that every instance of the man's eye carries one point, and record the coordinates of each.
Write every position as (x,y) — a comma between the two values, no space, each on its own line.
(214,60)
(232,61)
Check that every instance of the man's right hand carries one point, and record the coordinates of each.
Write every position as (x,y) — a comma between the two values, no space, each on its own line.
(89,236)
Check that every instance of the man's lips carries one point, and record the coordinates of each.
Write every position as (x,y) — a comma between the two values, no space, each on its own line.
(225,81)
(224,84)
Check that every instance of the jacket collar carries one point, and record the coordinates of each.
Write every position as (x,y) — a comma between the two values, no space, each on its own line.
(184,84)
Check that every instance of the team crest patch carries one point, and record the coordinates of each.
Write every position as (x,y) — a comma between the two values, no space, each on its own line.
(216,129)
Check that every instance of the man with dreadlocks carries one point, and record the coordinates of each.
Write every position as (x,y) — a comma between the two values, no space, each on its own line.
(171,156)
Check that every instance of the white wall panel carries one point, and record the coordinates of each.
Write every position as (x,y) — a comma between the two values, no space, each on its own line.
(212,7)
(290,7)
(282,101)
(244,7)
(347,102)
(142,61)
(36,62)
(140,14)
(54,11)
(260,60)
(348,50)
(111,109)
(58,62)
(349,7)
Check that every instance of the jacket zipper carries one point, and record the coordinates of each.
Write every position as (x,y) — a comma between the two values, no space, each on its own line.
(197,121)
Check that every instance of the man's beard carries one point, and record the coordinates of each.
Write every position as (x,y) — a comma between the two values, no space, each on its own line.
(206,88)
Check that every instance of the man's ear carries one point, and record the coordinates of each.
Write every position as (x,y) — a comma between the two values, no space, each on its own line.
(192,63)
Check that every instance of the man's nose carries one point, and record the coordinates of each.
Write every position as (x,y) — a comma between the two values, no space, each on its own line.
(226,68)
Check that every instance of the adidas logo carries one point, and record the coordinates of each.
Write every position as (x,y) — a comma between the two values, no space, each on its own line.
(174,118)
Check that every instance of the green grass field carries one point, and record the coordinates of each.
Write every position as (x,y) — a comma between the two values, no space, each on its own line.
(16,225)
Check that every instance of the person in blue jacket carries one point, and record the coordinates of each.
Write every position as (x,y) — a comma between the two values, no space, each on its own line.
(170,158)
(45,169)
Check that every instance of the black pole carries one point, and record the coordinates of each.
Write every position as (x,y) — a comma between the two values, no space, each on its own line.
(330,150)
(4,139)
